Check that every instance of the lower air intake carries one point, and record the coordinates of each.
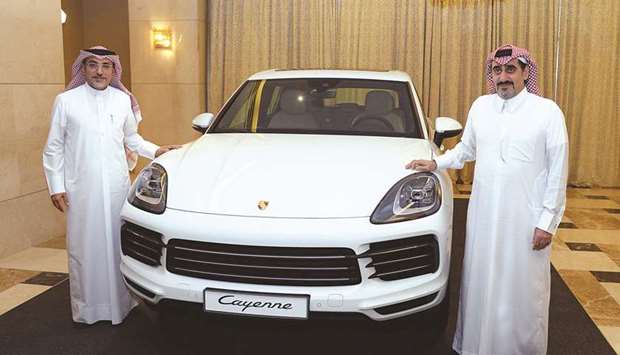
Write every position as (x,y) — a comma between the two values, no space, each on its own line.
(403,258)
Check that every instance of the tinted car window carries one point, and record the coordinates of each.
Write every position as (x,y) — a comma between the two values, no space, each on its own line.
(322,106)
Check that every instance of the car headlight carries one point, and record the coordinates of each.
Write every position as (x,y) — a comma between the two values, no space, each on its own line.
(416,196)
(149,191)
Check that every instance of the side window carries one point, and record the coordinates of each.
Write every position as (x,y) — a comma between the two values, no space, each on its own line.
(350,95)
(275,98)
(239,114)
(358,95)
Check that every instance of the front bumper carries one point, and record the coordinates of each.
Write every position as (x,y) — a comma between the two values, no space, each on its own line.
(156,283)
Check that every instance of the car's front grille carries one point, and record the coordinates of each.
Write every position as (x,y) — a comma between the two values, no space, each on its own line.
(403,258)
(141,244)
(263,265)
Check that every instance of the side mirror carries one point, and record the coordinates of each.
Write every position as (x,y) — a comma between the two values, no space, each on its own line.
(446,127)
(202,122)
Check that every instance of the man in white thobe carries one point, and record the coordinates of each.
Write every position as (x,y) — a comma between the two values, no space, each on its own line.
(519,142)
(86,168)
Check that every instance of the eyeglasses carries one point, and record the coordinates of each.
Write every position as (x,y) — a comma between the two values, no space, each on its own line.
(93,66)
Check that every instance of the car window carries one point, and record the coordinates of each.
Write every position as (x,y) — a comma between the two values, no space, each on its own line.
(273,105)
(358,95)
(240,109)
(322,106)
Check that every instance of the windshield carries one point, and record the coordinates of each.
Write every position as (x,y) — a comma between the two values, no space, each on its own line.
(321,106)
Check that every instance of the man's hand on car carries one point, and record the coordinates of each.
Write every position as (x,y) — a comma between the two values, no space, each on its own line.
(422,165)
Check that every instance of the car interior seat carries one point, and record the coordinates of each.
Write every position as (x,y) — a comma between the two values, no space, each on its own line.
(293,112)
(381,104)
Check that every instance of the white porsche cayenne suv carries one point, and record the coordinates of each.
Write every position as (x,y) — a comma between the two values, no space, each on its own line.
(296,201)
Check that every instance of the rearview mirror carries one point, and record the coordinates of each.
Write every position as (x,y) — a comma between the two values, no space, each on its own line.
(446,127)
(201,122)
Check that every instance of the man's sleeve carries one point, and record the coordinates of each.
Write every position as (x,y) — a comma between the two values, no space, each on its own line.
(134,141)
(464,151)
(54,151)
(554,200)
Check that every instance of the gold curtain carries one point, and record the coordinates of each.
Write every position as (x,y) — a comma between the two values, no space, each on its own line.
(531,24)
(442,44)
(457,41)
(589,89)
(245,37)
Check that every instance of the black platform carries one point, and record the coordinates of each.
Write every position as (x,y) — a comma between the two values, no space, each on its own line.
(43,326)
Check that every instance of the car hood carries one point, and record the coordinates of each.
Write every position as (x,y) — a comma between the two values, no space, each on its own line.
(295,175)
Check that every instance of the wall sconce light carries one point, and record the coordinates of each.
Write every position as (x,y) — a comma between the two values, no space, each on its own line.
(63,17)
(162,38)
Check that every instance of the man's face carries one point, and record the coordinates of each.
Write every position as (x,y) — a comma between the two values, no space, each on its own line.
(98,72)
(509,79)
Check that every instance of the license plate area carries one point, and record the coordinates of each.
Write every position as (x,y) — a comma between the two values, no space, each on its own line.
(269,305)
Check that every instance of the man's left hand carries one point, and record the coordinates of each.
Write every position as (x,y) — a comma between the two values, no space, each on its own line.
(541,239)
(166,148)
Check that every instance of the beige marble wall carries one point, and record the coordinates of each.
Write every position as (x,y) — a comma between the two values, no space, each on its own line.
(169,84)
(31,74)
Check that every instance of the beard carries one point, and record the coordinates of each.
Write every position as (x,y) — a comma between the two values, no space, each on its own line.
(505,89)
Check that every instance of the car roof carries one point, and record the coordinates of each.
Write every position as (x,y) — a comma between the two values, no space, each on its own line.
(390,75)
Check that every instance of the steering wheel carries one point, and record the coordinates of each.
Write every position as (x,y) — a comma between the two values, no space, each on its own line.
(357,120)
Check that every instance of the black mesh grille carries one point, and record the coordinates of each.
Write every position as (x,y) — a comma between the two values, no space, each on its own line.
(141,244)
(403,258)
(263,265)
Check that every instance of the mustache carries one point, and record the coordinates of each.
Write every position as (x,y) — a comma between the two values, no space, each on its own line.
(505,82)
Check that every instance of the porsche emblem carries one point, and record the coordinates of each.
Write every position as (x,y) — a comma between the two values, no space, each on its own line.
(262,204)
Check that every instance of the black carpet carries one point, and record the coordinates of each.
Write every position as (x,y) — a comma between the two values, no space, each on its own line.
(43,326)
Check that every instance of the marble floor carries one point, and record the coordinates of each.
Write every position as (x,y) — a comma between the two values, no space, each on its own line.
(585,251)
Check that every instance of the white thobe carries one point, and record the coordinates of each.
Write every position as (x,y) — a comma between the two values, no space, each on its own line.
(85,157)
(521,151)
